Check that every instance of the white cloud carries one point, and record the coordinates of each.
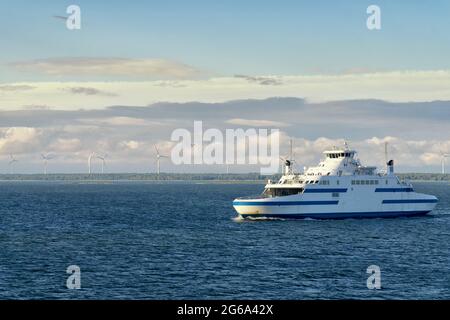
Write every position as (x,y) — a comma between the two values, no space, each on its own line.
(430,158)
(14,88)
(66,145)
(83,66)
(256,123)
(120,121)
(19,139)
(132,144)
(390,86)
(128,134)
(89,91)
(72,148)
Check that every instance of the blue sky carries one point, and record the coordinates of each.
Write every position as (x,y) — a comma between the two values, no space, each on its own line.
(209,56)
(233,37)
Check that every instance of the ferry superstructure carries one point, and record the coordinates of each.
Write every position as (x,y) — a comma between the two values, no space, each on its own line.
(338,187)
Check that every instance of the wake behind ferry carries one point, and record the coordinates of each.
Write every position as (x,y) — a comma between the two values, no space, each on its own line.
(338,187)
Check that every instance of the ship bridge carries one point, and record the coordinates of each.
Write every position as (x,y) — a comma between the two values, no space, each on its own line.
(337,163)
(339,154)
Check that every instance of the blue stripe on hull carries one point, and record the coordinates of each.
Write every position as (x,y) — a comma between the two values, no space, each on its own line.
(411,201)
(325,190)
(394,190)
(339,215)
(284,203)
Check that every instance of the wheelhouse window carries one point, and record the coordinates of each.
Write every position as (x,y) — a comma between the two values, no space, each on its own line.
(281,192)
(337,155)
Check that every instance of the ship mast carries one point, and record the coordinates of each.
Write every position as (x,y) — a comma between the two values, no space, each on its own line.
(386,155)
(290,149)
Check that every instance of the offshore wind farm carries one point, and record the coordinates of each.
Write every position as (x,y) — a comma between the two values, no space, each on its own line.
(155,173)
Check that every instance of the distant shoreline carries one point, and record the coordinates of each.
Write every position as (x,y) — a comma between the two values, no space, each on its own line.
(185,177)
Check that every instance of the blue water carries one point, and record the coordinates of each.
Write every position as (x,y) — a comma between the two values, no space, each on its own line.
(179,241)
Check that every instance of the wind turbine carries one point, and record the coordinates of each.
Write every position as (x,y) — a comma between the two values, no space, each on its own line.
(90,162)
(46,157)
(443,156)
(158,160)
(103,158)
(11,163)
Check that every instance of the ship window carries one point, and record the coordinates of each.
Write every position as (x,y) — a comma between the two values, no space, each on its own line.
(367,182)
(353,181)
(376,181)
(335,194)
(357,182)
(281,192)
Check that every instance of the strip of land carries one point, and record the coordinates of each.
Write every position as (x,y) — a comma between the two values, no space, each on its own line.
(232,177)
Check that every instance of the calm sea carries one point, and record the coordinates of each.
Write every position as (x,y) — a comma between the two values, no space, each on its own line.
(179,241)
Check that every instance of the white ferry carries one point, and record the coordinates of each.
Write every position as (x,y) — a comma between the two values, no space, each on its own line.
(339,187)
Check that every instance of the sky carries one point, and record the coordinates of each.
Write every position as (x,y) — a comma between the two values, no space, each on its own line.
(160,61)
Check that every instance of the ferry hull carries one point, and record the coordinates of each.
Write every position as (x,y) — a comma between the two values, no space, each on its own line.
(337,215)
(322,207)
